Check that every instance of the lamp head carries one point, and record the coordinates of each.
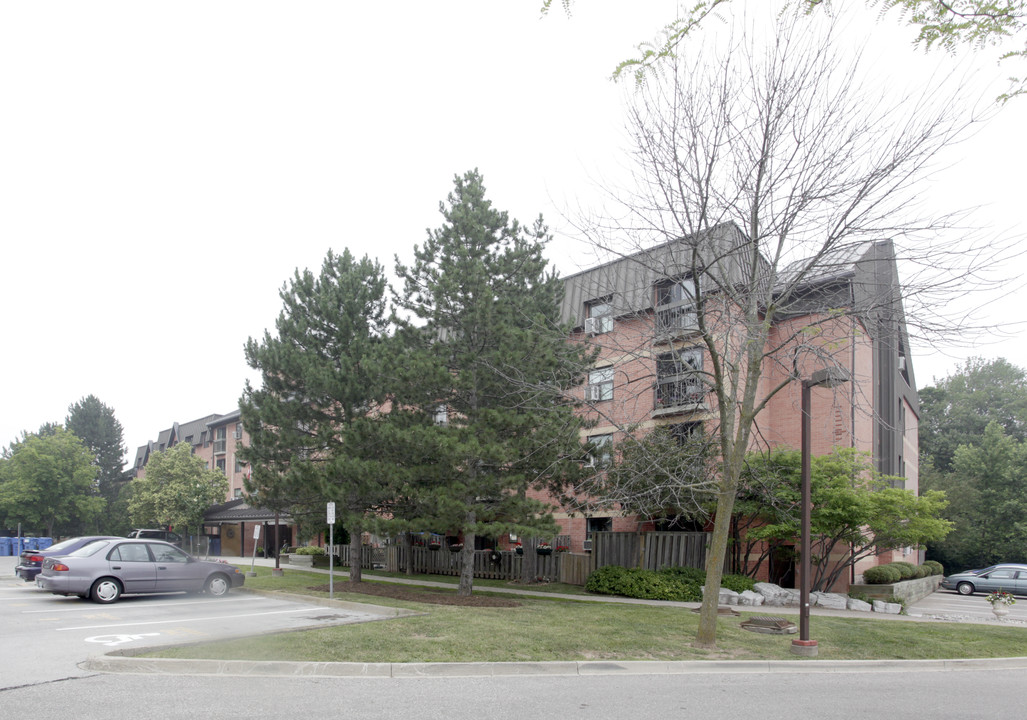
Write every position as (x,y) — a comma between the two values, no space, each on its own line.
(828,377)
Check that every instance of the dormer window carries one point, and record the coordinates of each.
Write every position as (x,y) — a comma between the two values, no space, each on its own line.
(598,317)
(675,307)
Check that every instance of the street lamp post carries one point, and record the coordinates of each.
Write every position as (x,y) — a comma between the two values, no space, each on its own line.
(828,377)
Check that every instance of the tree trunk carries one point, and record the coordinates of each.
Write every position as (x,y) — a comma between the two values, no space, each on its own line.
(529,560)
(706,637)
(467,558)
(355,556)
(408,549)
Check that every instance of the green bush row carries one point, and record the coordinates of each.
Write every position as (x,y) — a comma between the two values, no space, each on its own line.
(676,583)
(309,550)
(899,570)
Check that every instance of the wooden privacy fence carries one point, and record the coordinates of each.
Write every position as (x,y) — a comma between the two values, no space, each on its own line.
(370,557)
(650,550)
(487,564)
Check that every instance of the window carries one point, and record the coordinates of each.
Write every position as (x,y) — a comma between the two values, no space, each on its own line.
(441,415)
(238,431)
(220,465)
(600,385)
(237,493)
(238,465)
(598,317)
(679,378)
(675,307)
(130,552)
(599,453)
(219,439)
(598,524)
(684,432)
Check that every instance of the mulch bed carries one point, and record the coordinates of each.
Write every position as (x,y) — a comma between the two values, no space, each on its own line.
(422,595)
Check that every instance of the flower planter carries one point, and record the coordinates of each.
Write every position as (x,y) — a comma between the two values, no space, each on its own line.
(544,551)
(1000,610)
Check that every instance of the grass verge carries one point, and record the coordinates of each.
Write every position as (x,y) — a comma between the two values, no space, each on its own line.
(541,629)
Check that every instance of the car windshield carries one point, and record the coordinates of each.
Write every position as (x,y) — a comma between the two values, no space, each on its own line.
(90,549)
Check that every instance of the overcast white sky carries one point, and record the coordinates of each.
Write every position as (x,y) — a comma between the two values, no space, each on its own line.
(164,167)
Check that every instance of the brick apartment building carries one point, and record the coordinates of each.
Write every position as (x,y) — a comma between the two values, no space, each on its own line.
(216,440)
(653,368)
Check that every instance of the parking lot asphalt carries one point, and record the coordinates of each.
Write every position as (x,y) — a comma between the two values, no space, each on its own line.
(48,637)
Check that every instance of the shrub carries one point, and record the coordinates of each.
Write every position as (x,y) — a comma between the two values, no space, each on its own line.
(881,575)
(310,550)
(688,574)
(934,566)
(644,584)
(908,570)
(738,583)
(606,580)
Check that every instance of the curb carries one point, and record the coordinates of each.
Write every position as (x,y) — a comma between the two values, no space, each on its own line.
(274,668)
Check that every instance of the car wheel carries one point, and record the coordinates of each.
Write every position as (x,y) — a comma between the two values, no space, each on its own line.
(217,585)
(105,591)
(965,588)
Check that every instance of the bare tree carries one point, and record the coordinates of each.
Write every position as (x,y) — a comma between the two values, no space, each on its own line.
(784,192)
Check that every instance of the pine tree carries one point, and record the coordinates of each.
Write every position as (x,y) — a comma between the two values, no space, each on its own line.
(94,423)
(312,423)
(499,365)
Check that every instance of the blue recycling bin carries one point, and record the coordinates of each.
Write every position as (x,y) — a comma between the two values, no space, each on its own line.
(44,543)
(5,546)
(31,543)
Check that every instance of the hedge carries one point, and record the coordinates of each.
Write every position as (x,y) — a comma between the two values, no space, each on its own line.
(676,583)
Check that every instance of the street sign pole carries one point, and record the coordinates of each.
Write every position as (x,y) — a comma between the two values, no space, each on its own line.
(253,560)
(331,547)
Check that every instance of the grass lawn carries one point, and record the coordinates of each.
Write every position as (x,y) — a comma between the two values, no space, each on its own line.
(541,629)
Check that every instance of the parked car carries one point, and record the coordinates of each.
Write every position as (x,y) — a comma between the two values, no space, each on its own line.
(106,569)
(31,561)
(1010,577)
(165,535)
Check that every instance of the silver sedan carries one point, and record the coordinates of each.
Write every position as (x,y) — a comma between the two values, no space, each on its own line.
(106,569)
(1008,577)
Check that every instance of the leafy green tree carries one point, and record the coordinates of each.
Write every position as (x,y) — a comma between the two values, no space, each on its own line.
(988,489)
(853,509)
(313,422)
(946,24)
(956,410)
(176,491)
(94,423)
(499,366)
(47,484)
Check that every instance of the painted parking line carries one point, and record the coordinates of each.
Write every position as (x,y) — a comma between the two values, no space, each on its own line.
(146,606)
(179,621)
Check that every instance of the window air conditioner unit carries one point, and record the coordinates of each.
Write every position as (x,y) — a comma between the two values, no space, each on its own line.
(592,325)
(587,546)
(237,435)
(593,393)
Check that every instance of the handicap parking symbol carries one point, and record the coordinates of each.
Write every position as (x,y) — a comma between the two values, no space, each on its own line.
(112,640)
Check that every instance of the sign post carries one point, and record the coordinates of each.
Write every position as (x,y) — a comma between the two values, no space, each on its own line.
(331,548)
(253,560)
